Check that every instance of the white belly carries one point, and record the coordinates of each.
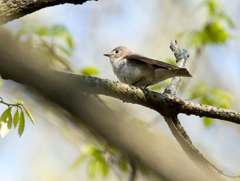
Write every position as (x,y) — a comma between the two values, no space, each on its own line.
(130,74)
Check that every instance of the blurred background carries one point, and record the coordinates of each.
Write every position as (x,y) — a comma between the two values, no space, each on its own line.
(75,39)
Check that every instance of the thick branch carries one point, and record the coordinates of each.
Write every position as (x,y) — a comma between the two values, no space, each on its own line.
(14,9)
(166,104)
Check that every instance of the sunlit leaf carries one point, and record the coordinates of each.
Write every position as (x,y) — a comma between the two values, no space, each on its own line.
(21,124)
(207,121)
(62,33)
(92,168)
(29,114)
(97,166)
(19,101)
(86,151)
(16,118)
(105,169)
(9,123)
(101,166)
(70,42)
(6,114)
(90,71)
(4,129)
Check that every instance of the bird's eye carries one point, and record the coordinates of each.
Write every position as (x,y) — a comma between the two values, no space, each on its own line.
(117,51)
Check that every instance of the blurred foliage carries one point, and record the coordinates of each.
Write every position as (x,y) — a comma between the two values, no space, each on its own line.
(55,42)
(215,30)
(97,164)
(210,96)
(7,120)
(89,71)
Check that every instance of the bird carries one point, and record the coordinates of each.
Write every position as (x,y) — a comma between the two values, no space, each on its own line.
(140,71)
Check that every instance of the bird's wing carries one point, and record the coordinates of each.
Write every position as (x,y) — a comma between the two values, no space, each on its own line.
(153,62)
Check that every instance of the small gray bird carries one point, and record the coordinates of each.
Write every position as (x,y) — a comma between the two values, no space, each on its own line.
(138,70)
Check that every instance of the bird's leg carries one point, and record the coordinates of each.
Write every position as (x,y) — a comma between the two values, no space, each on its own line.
(146,86)
(136,82)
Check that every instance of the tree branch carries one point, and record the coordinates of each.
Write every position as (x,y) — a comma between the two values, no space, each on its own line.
(177,129)
(166,104)
(162,157)
(14,9)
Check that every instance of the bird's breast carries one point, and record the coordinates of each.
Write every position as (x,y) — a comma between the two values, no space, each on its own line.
(129,72)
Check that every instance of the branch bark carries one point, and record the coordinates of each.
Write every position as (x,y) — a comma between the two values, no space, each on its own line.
(14,9)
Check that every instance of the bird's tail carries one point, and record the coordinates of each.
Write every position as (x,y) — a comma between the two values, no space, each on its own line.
(181,72)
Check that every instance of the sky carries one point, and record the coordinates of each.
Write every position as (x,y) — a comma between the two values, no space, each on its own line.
(47,149)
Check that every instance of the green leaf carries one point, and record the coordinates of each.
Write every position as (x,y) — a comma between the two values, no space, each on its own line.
(207,121)
(64,50)
(97,166)
(101,166)
(87,150)
(21,124)
(16,118)
(1,81)
(216,33)
(29,114)
(70,42)
(62,33)
(92,168)
(105,169)
(4,129)
(19,101)
(6,114)
(90,71)
(9,123)
(122,163)
(78,162)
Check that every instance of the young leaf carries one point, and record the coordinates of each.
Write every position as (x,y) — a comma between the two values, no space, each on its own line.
(6,114)
(9,123)
(21,124)
(102,166)
(4,129)
(90,71)
(92,168)
(16,118)
(29,114)
(207,121)
(18,101)
(87,150)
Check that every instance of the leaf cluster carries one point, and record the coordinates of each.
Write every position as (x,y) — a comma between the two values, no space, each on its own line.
(216,30)
(7,119)
(55,42)
(210,96)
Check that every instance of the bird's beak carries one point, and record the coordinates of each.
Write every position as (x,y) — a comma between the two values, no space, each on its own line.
(108,55)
